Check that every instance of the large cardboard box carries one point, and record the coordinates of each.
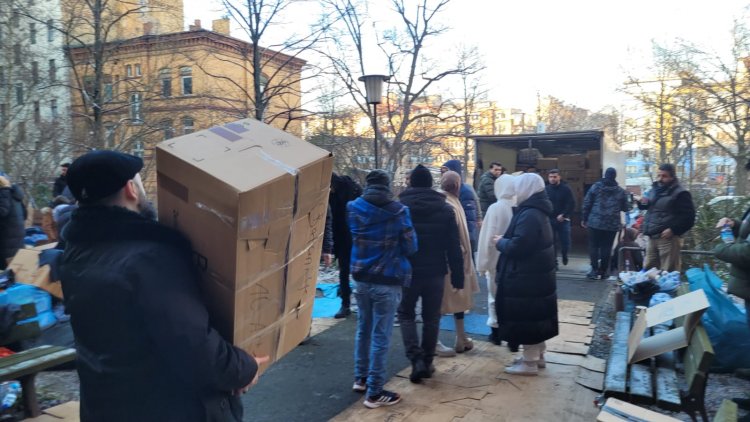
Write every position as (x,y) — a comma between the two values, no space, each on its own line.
(594,160)
(546,163)
(592,176)
(25,266)
(572,162)
(573,177)
(253,201)
(691,306)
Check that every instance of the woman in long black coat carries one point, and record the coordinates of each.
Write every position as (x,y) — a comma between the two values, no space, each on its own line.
(526,301)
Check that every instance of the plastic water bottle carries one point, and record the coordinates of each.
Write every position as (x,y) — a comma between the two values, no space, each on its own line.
(726,234)
(10,391)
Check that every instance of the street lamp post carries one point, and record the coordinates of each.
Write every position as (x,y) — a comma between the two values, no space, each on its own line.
(373,94)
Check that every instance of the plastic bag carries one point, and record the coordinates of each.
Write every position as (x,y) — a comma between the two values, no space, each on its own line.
(725,323)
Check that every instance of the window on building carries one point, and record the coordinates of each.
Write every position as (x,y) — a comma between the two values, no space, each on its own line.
(135,107)
(263,82)
(187,125)
(108,89)
(186,77)
(21,133)
(631,169)
(53,108)
(52,70)
(35,72)
(137,70)
(165,76)
(19,93)
(50,30)
(138,147)
(168,129)
(32,33)
(109,133)
(128,71)
(17,54)
(37,112)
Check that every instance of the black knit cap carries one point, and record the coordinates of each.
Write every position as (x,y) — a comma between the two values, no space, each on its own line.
(420,177)
(99,174)
(378,177)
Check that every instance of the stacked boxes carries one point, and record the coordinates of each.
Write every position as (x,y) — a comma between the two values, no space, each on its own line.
(593,166)
(572,171)
(252,199)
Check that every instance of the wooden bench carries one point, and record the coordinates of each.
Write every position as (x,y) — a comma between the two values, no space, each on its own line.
(655,381)
(24,366)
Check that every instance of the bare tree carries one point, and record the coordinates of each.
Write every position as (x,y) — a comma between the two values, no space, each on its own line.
(712,96)
(414,74)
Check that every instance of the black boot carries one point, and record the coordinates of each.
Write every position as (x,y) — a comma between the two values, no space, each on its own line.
(565,259)
(494,336)
(430,369)
(418,371)
(343,312)
(513,347)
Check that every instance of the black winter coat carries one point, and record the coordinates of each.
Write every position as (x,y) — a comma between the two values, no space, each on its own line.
(563,201)
(343,190)
(12,222)
(437,236)
(526,300)
(146,350)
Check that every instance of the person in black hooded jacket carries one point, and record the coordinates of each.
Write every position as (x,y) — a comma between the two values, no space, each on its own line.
(343,190)
(145,348)
(12,220)
(526,300)
(438,248)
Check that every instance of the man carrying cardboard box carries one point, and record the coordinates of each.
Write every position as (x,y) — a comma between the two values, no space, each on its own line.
(146,351)
(383,238)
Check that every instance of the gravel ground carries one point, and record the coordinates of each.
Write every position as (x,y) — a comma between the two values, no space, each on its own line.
(720,386)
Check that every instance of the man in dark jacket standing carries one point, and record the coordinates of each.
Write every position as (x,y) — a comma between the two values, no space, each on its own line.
(12,220)
(383,237)
(438,248)
(343,190)
(487,186)
(563,205)
(146,350)
(469,202)
(61,181)
(601,216)
(671,213)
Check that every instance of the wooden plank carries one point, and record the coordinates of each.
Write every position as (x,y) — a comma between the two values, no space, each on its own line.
(613,411)
(594,364)
(563,358)
(592,380)
(667,389)
(40,363)
(641,387)
(560,346)
(727,412)
(66,412)
(578,320)
(576,333)
(616,375)
(27,354)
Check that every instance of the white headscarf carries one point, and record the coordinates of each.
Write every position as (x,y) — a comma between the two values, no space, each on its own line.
(496,221)
(526,185)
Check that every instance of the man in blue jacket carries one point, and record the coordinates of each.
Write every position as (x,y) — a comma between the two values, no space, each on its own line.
(469,202)
(383,237)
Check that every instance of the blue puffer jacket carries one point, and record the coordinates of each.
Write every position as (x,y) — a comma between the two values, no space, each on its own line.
(470,204)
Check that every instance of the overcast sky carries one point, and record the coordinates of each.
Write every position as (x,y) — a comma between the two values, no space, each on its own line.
(577,50)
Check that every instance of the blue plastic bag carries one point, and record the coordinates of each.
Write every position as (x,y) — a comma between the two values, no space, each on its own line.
(725,323)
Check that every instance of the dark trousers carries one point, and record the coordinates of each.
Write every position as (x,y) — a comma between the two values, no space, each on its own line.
(600,249)
(345,289)
(561,231)
(431,291)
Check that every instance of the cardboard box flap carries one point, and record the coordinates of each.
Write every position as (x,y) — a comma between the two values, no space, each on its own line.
(244,154)
(25,266)
(691,306)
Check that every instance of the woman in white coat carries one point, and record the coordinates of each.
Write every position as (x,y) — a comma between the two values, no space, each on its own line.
(495,222)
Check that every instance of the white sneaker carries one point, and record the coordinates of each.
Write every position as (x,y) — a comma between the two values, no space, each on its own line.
(523,368)
(541,363)
(444,351)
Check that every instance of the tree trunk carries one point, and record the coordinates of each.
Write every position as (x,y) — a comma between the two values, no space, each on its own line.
(740,176)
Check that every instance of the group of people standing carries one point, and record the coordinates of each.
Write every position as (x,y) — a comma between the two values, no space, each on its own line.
(420,247)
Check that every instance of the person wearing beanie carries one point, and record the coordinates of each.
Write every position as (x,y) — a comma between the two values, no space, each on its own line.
(602,206)
(671,214)
(382,240)
(564,204)
(469,202)
(496,222)
(457,301)
(526,301)
(438,249)
(138,318)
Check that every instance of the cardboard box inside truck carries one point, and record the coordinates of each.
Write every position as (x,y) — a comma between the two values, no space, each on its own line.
(252,199)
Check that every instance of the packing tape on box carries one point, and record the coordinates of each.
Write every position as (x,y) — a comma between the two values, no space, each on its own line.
(229,221)
(289,169)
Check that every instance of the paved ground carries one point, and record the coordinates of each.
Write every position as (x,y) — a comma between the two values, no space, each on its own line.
(313,382)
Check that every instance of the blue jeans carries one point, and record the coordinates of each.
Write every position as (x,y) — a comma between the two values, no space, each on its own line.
(377,305)
(561,231)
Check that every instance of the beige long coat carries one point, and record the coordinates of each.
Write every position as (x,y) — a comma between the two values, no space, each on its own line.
(463,300)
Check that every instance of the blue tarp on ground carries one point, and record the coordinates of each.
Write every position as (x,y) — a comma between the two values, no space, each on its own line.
(473,324)
(327,301)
